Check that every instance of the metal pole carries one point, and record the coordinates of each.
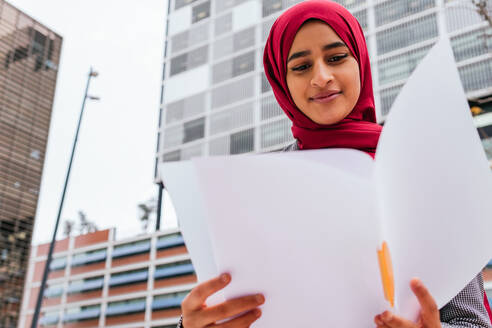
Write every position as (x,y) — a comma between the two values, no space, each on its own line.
(35,317)
(159,207)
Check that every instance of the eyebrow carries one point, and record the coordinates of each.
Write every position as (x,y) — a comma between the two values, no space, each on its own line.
(308,52)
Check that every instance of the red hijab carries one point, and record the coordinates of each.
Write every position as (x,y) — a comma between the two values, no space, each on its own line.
(359,129)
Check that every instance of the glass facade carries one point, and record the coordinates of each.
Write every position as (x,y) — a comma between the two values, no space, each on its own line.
(58,263)
(125,307)
(170,241)
(236,112)
(29,58)
(168,301)
(85,285)
(82,313)
(53,291)
(128,277)
(173,270)
(89,257)
(139,247)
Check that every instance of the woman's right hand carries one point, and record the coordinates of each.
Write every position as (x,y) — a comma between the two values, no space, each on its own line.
(196,314)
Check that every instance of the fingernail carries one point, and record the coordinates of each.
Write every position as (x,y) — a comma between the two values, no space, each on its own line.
(260,298)
(257,313)
(386,316)
(224,277)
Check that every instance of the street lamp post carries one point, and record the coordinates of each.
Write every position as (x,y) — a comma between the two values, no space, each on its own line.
(35,317)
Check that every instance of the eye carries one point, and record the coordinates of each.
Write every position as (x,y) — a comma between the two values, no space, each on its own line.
(337,58)
(300,67)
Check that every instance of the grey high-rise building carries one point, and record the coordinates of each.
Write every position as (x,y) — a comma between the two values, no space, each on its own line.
(29,56)
(216,100)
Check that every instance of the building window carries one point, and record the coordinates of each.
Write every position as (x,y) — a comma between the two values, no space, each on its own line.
(90,257)
(361,16)
(194,130)
(242,142)
(170,241)
(168,301)
(351,3)
(128,277)
(223,5)
(49,318)
(223,47)
(477,76)
(179,64)
(175,269)
(244,39)
(185,108)
(232,118)
(53,291)
(173,136)
(270,108)
(265,28)
(200,12)
(232,92)
(82,313)
(195,150)
(58,263)
(388,96)
(243,64)
(390,11)
(271,6)
(172,156)
(222,71)
(265,85)
(138,247)
(219,146)
(400,67)
(180,41)
(234,43)
(223,24)
(406,34)
(126,307)
(276,133)
(85,285)
(472,44)
(182,3)
(189,60)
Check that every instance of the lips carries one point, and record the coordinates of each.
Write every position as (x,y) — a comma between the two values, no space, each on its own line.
(325,96)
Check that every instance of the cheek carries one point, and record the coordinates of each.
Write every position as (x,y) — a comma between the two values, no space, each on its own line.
(296,90)
(353,85)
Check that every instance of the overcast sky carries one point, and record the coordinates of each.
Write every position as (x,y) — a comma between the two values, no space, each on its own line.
(114,164)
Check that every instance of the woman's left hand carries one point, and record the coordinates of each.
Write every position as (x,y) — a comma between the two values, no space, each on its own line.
(428,317)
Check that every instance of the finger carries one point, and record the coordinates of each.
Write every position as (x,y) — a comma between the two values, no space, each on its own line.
(429,309)
(379,322)
(244,320)
(198,295)
(394,321)
(231,308)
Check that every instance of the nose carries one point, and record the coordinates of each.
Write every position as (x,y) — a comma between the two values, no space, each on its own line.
(322,75)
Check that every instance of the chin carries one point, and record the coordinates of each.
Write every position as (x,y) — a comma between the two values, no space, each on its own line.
(327,120)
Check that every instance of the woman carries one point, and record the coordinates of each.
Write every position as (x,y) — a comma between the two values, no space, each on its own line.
(317,62)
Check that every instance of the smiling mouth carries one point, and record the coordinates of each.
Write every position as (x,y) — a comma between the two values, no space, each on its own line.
(325,99)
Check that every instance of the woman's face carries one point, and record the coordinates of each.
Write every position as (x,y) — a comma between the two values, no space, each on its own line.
(322,75)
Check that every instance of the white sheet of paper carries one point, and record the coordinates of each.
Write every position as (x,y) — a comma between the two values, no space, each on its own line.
(277,230)
(181,182)
(435,184)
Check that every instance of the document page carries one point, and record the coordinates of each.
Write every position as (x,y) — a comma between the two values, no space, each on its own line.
(435,184)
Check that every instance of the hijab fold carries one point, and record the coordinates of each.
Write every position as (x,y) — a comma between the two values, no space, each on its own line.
(359,129)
